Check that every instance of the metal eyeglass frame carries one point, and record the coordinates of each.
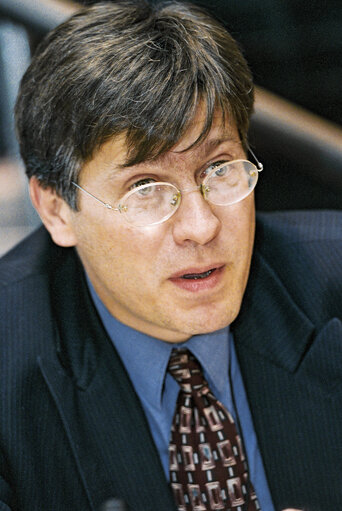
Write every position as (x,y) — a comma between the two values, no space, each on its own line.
(202,187)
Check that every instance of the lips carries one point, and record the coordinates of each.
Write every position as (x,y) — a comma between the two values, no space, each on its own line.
(199,279)
(198,275)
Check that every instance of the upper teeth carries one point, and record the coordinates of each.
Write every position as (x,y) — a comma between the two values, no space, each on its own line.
(197,275)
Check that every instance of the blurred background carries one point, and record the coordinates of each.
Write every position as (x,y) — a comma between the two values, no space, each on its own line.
(294,49)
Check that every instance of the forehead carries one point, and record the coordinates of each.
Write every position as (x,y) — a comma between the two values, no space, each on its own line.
(222,128)
(111,157)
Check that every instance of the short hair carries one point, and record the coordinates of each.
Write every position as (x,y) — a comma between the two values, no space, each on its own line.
(126,67)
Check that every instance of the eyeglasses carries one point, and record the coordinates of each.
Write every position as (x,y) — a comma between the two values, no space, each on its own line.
(155,202)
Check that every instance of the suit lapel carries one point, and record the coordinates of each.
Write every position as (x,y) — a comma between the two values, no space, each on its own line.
(270,323)
(272,326)
(321,365)
(99,409)
(292,374)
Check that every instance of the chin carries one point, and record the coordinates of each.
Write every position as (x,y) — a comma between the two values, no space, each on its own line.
(210,324)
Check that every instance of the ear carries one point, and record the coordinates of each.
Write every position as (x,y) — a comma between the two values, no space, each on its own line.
(54,213)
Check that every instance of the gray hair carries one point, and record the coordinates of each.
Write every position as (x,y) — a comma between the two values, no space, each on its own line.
(126,67)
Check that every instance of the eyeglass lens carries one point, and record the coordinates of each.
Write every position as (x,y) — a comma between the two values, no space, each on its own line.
(153,203)
(230,182)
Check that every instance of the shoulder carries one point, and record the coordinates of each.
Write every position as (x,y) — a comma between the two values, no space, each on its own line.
(291,227)
(313,238)
(30,257)
(26,313)
(304,251)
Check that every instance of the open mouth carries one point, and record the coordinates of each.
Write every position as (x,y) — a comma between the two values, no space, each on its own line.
(201,281)
(196,276)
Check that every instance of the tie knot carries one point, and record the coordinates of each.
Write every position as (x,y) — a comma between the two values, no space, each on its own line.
(187,371)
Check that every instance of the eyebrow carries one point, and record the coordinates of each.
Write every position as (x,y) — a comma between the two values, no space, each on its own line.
(209,145)
(204,148)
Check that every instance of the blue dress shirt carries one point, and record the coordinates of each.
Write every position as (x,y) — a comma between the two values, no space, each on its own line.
(146,359)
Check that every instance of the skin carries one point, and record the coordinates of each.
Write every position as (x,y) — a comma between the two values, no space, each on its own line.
(131,267)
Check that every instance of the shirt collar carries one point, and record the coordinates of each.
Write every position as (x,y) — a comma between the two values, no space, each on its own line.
(146,358)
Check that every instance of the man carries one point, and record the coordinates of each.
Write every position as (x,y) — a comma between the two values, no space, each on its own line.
(132,123)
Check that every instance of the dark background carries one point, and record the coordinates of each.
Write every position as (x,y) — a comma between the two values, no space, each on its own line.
(294,47)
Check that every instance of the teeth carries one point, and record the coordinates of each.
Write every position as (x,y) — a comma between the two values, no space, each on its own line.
(198,275)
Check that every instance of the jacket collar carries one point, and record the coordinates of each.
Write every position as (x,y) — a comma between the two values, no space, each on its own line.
(270,322)
(101,414)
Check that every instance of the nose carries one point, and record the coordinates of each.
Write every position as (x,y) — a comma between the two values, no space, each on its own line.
(195,220)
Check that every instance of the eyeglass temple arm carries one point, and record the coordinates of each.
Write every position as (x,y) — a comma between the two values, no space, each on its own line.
(108,206)
(259,164)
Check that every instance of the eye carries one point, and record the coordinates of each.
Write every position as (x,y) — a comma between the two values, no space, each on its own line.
(221,171)
(142,189)
(141,182)
(212,166)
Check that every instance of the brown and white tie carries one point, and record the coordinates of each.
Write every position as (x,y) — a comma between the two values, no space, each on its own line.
(208,470)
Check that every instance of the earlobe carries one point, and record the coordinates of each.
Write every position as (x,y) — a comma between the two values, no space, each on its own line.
(54,213)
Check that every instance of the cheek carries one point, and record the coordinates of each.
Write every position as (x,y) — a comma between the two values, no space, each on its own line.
(238,223)
(117,249)
(246,242)
(135,243)
(238,230)
(246,228)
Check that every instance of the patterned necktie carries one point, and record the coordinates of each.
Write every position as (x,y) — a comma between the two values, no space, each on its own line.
(207,463)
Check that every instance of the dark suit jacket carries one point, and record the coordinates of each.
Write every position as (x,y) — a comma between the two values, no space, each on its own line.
(72,430)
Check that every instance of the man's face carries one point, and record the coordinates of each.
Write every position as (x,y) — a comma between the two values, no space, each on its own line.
(137,271)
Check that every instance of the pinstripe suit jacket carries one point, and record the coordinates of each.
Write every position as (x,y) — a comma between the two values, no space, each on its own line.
(72,430)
